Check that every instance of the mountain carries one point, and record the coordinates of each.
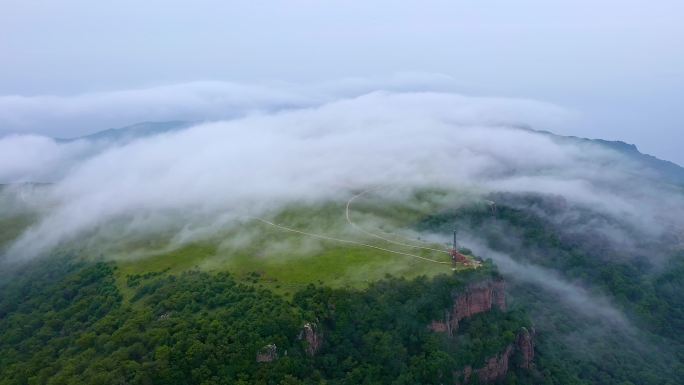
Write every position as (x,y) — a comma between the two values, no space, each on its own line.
(668,170)
(356,288)
(665,170)
(129,133)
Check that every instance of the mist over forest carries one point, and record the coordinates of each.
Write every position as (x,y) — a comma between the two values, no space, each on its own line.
(299,193)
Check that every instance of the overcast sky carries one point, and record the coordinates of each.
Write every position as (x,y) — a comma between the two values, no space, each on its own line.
(618,63)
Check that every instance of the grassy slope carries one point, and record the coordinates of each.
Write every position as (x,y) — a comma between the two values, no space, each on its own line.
(333,263)
(284,260)
(287,261)
(12,227)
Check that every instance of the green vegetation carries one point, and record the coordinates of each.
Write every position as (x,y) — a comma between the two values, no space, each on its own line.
(200,312)
(12,227)
(287,261)
(63,322)
(573,347)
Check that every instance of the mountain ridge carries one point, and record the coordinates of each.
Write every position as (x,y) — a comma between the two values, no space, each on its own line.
(132,132)
(669,170)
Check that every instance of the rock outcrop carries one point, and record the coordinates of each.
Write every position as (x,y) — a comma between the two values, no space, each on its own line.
(524,344)
(312,337)
(479,297)
(268,353)
(482,297)
(496,367)
(439,326)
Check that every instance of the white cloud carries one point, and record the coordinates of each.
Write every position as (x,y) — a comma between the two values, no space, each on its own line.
(262,160)
(589,304)
(80,114)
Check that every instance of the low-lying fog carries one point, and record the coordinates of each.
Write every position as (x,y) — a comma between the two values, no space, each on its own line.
(279,148)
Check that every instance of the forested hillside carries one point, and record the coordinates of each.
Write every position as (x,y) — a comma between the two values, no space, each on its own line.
(578,341)
(63,322)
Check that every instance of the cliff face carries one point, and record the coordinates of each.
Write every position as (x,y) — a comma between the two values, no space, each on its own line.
(496,367)
(268,353)
(524,344)
(481,297)
(313,338)
(477,298)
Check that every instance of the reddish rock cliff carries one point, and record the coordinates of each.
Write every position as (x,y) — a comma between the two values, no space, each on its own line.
(313,338)
(477,298)
(496,368)
(481,297)
(268,353)
(524,343)
(439,326)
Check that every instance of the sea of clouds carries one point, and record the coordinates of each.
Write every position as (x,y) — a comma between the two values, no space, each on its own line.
(256,148)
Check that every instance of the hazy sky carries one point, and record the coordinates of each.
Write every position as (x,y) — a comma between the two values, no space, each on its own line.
(619,64)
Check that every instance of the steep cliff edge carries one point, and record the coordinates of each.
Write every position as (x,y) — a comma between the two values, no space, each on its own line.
(524,343)
(477,297)
(312,338)
(519,354)
(495,369)
(482,297)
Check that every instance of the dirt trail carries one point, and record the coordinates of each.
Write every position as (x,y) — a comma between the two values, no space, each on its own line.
(347,241)
(359,228)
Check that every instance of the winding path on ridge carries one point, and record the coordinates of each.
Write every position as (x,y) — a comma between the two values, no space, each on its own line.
(357,227)
(361,229)
(328,238)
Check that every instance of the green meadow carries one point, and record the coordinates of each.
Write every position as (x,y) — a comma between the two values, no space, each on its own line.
(279,258)
(286,261)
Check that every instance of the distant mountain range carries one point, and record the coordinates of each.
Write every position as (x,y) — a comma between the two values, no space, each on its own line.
(669,171)
(133,132)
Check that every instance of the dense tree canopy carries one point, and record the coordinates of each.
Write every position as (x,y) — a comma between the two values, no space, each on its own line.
(64,323)
(574,348)
(67,321)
